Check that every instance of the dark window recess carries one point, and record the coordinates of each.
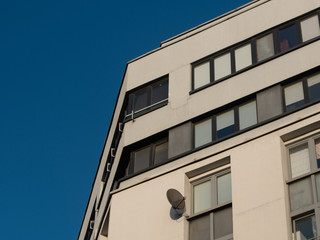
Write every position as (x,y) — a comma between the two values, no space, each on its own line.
(302,92)
(249,53)
(146,157)
(147,99)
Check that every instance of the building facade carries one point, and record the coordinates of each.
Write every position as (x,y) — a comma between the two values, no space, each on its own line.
(227,114)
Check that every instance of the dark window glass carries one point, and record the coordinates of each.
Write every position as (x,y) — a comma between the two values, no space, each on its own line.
(200,228)
(306,228)
(314,87)
(222,223)
(159,92)
(161,152)
(140,100)
(141,159)
(288,38)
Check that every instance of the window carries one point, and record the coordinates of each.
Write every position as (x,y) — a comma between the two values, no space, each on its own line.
(303,187)
(211,208)
(310,28)
(243,57)
(223,124)
(147,99)
(148,156)
(288,38)
(203,132)
(301,92)
(222,66)
(265,46)
(202,74)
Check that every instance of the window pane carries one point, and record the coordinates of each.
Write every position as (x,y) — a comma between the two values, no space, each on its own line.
(265,47)
(248,115)
(318,186)
(161,153)
(140,100)
(201,75)
(225,124)
(310,28)
(202,196)
(202,133)
(314,87)
(159,92)
(200,228)
(243,57)
(222,66)
(317,145)
(306,228)
(141,159)
(288,38)
(294,96)
(224,188)
(222,223)
(299,160)
(300,194)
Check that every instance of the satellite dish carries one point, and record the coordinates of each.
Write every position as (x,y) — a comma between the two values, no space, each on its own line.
(176,199)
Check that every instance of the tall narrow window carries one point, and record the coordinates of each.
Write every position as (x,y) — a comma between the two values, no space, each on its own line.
(294,96)
(304,185)
(314,87)
(222,66)
(310,28)
(160,152)
(248,114)
(265,47)
(203,132)
(288,38)
(243,57)
(317,146)
(140,100)
(212,210)
(225,124)
(201,75)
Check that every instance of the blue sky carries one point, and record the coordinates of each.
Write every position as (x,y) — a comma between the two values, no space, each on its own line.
(61,66)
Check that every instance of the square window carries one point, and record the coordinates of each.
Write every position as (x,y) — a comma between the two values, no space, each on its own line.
(305,228)
(310,28)
(202,132)
(201,75)
(224,188)
(248,115)
(300,194)
(299,160)
(222,66)
(159,92)
(294,96)
(225,124)
(288,38)
(265,47)
(314,87)
(202,196)
(243,57)
(161,152)
(142,159)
